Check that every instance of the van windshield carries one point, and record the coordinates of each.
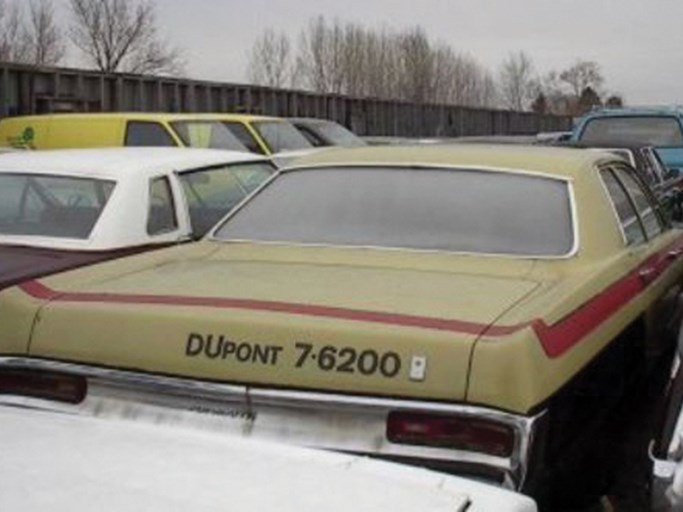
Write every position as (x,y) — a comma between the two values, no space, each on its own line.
(281,136)
(639,130)
(207,134)
(51,206)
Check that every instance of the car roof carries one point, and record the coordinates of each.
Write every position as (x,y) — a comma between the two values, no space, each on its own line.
(152,116)
(562,162)
(671,110)
(118,161)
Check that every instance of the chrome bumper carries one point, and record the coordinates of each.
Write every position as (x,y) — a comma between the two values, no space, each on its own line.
(347,423)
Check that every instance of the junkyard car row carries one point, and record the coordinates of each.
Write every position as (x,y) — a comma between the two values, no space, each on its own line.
(480,309)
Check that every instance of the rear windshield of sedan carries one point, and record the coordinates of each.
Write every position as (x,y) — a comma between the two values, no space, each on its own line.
(51,206)
(461,210)
(207,134)
(281,136)
(639,130)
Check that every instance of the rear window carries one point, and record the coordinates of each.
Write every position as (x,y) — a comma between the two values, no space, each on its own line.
(212,193)
(207,134)
(429,209)
(51,206)
(652,130)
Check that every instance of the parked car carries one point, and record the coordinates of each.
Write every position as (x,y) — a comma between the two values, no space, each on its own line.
(68,208)
(476,309)
(323,132)
(239,132)
(64,462)
(665,184)
(653,126)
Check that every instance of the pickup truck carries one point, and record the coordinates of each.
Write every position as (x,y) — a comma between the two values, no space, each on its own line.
(661,127)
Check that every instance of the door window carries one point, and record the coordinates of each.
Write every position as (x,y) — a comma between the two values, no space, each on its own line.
(630,223)
(162,216)
(645,208)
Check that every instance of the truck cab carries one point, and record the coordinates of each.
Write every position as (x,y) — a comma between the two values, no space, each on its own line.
(661,127)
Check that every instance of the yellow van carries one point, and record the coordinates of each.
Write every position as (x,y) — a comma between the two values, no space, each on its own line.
(257,134)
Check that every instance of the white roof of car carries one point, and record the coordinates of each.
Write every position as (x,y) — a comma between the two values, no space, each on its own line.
(113,162)
(63,462)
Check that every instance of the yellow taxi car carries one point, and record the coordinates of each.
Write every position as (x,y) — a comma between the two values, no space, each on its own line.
(240,132)
(477,309)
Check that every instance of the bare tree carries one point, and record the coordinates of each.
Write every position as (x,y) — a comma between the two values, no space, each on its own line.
(45,40)
(349,58)
(516,81)
(270,60)
(121,35)
(13,41)
(320,56)
(581,75)
(416,66)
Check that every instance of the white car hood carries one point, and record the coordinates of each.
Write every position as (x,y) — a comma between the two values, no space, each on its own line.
(62,462)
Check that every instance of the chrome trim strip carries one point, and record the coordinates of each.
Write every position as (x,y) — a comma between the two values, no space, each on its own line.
(188,396)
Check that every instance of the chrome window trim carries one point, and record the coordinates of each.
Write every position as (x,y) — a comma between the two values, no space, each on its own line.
(573,251)
(607,168)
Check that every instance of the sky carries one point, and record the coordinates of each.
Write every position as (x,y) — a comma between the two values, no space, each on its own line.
(638,44)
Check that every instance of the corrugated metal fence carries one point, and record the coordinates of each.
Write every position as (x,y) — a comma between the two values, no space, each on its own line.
(30,90)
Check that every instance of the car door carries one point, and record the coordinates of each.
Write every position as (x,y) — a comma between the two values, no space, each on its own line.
(649,239)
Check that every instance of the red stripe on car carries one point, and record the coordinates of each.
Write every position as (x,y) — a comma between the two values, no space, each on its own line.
(556,339)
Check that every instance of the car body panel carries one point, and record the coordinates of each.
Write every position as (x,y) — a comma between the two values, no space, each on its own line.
(128,465)
(300,302)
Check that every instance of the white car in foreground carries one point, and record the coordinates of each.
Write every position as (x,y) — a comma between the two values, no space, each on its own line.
(59,461)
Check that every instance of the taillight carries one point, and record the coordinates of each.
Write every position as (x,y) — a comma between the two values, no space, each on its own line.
(458,432)
(39,384)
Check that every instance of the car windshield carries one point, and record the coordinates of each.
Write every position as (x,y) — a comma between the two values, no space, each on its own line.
(281,136)
(460,210)
(338,135)
(207,134)
(51,206)
(655,131)
(211,193)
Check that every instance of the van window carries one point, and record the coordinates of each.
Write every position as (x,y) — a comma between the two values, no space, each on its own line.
(207,134)
(161,217)
(144,133)
(242,133)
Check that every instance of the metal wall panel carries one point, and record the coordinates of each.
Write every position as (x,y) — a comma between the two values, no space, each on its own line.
(29,90)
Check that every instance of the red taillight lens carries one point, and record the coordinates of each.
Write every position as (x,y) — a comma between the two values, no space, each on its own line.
(459,432)
(48,385)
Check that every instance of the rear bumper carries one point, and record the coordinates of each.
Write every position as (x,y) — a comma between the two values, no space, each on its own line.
(348,423)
